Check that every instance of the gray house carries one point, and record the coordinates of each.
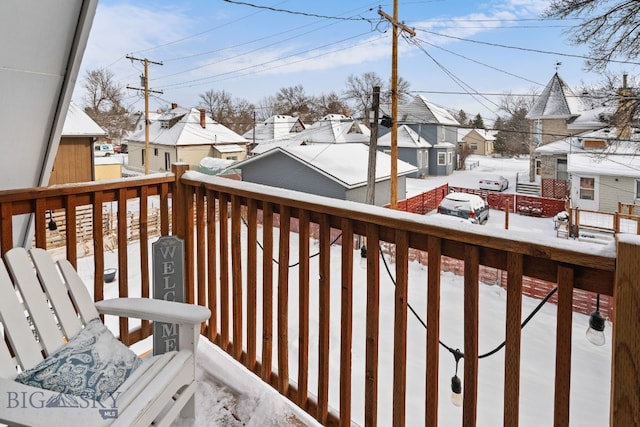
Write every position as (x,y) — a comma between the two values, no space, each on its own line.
(412,148)
(435,125)
(332,170)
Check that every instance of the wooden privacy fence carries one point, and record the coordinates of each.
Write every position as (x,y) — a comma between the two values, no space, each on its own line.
(84,226)
(226,262)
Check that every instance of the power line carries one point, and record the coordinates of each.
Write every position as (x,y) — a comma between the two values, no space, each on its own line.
(545,52)
(293,12)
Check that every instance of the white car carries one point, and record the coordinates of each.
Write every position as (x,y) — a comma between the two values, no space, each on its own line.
(494,183)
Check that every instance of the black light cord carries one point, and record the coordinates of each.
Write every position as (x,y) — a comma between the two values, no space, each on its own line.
(457,354)
(297,263)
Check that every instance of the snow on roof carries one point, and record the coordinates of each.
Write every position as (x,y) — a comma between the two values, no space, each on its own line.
(78,123)
(562,146)
(420,110)
(214,163)
(187,130)
(228,148)
(487,135)
(592,119)
(556,101)
(612,165)
(407,138)
(344,163)
(335,128)
(265,146)
(275,127)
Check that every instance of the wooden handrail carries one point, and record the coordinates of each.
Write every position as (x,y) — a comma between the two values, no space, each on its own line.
(290,212)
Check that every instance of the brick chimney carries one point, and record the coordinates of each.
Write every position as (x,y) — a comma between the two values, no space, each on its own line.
(203,118)
(174,105)
(624,110)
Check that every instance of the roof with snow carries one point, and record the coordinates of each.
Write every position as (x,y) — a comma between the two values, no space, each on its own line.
(612,165)
(421,110)
(575,144)
(346,164)
(593,118)
(78,123)
(557,101)
(277,126)
(487,135)
(265,146)
(335,128)
(181,127)
(407,138)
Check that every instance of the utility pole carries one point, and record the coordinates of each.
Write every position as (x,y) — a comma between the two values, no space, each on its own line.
(373,147)
(394,97)
(145,88)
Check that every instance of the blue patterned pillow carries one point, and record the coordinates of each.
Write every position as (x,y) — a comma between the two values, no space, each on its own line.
(93,364)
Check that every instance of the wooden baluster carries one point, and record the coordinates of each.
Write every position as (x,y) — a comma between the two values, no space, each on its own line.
(252,277)
(434,247)
(471,311)
(400,328)
(346,322)
(283,300)
(513,339)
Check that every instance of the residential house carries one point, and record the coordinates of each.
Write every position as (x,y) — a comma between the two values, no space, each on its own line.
(412,148)
(274,128)
(331,129)
(555,108)
(480,141)
(184,135)
(435,125)
(586,128)
(606,171)
(332,170)
(75,160)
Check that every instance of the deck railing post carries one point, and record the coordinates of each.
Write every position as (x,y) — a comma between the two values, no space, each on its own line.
(625,359)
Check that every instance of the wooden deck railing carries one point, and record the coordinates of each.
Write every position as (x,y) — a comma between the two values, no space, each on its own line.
(226,279)
(254,318)
(68,200)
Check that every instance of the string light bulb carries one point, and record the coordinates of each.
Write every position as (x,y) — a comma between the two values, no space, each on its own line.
(595,331)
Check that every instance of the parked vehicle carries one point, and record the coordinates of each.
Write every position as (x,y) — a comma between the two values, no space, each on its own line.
(103,150)
(494,183)
(463,205)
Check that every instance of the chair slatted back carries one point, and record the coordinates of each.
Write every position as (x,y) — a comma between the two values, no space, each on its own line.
(16,326)
(56,291)
(81,298)
(35,300)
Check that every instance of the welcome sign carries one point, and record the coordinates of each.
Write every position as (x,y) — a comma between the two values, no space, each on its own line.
(168,284)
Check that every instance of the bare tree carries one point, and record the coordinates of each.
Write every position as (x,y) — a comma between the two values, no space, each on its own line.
(359,92)
(294,101)
(103,103)
(236,114)
(330,104)
(609,28)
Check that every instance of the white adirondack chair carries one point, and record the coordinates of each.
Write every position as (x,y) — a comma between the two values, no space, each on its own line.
(158,391)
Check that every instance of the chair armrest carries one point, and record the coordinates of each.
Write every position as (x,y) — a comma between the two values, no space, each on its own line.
(154,309)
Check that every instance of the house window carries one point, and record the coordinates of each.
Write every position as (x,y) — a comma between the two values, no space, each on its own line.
(442,159)
(450,160)
(155,152)
(637,189)
(167,161)
(143,151)
(587,188)
(474,146)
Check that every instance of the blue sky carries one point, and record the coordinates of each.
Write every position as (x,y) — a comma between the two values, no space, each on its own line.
(485,47)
